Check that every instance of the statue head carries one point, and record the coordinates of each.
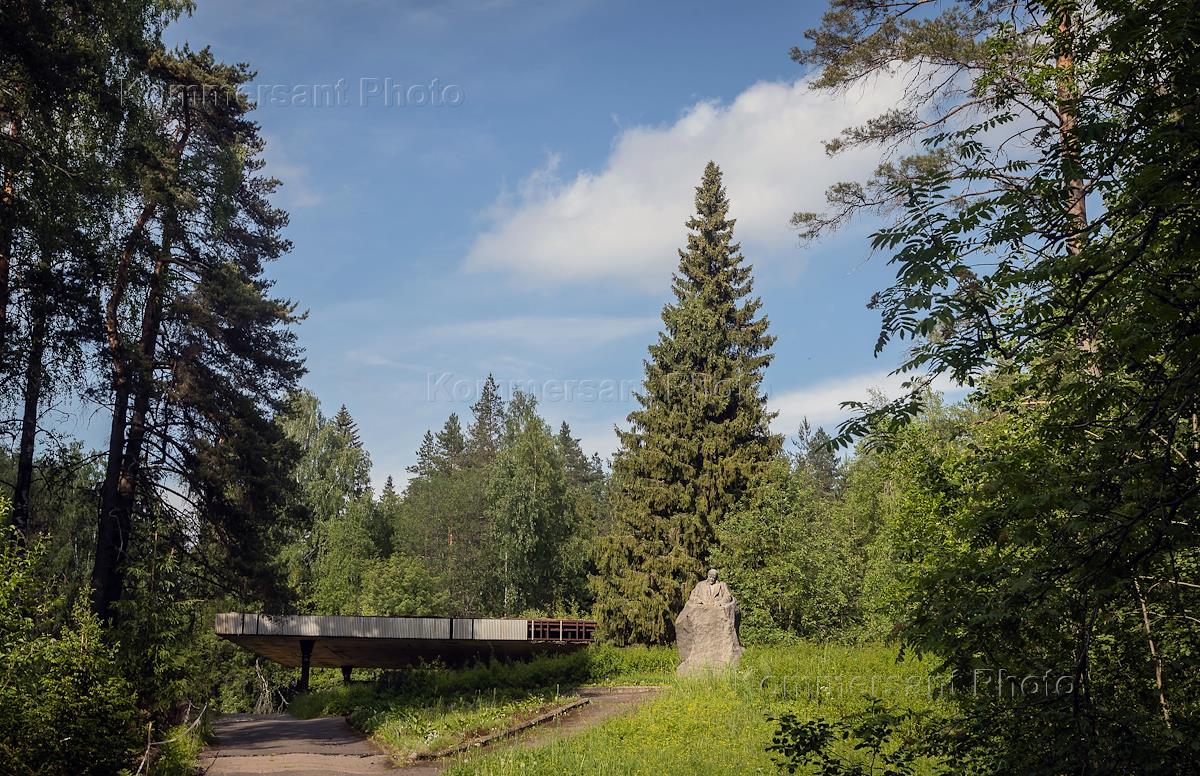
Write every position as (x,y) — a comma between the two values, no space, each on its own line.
(712,576)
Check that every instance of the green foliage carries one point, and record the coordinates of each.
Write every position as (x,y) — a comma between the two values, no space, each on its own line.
(791,553)
(402,585)
(860,744)
(178,754)
(442,519)
(530,507)
(64,706)
(515,505)
(700,439)
(327,560)
(1044,256)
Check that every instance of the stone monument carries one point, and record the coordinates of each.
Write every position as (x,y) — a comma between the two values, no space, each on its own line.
(706,631)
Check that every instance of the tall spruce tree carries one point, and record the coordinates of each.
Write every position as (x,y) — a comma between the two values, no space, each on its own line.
(701,438)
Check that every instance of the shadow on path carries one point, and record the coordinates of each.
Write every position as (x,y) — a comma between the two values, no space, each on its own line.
(279,743)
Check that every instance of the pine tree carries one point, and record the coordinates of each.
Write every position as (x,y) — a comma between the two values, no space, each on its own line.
(348,464)
(452,444)
(700,439)
(816,457)
(581,470)
(484,435)
(427,457)
(347,427)
(200,354)
(442,453)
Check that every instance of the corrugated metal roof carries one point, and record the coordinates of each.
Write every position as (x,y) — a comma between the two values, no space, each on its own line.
(502,630)
(396,642)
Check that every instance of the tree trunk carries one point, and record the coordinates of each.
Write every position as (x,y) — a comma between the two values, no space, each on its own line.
(1155,658)
(34,371)
(7,228)
(143,384)
(111,531)
(1067,97)
(118,494)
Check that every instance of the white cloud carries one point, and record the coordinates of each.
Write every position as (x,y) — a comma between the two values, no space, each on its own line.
(549,331)
(375,358)
(298,190)
(626,220)
(820,403)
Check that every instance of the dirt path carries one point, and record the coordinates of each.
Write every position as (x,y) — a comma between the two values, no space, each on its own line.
(281,744)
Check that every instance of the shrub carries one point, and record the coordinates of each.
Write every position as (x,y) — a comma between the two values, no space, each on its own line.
(64,707)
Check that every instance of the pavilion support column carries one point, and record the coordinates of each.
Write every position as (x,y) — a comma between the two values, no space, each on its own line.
(346,674)
(306,648)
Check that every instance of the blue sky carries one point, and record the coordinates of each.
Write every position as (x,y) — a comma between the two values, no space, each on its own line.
(495,186)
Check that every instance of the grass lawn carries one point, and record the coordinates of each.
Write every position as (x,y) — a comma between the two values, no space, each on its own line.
(430,710)
(720,725)
(710,725)
(406,726)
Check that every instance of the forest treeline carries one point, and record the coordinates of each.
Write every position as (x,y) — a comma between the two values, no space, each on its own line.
(498,517)
(1037,202)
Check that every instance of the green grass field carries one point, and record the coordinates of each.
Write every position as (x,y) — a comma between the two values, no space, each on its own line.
(430,710)
(716,724)
(720,724)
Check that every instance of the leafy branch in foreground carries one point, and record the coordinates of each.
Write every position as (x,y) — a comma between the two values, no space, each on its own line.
(866,743)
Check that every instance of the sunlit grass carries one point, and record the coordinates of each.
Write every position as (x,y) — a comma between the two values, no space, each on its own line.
(406,725)
(408,730)
(720,724)
(432,709)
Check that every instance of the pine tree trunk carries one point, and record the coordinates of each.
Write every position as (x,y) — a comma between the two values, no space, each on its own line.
(34,371)
(1068,94)
(7,228)
(112,531)
(142,390)
(118,494)
(1155,658)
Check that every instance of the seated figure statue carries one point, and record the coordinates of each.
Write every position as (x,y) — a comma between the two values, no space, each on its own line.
(706,631)
(711,592)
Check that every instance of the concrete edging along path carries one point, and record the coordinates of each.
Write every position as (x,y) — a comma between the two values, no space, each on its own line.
(326,746)
(476,743)
(603,703)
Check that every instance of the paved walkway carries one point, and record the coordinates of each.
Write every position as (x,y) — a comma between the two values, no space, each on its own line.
(281,744)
